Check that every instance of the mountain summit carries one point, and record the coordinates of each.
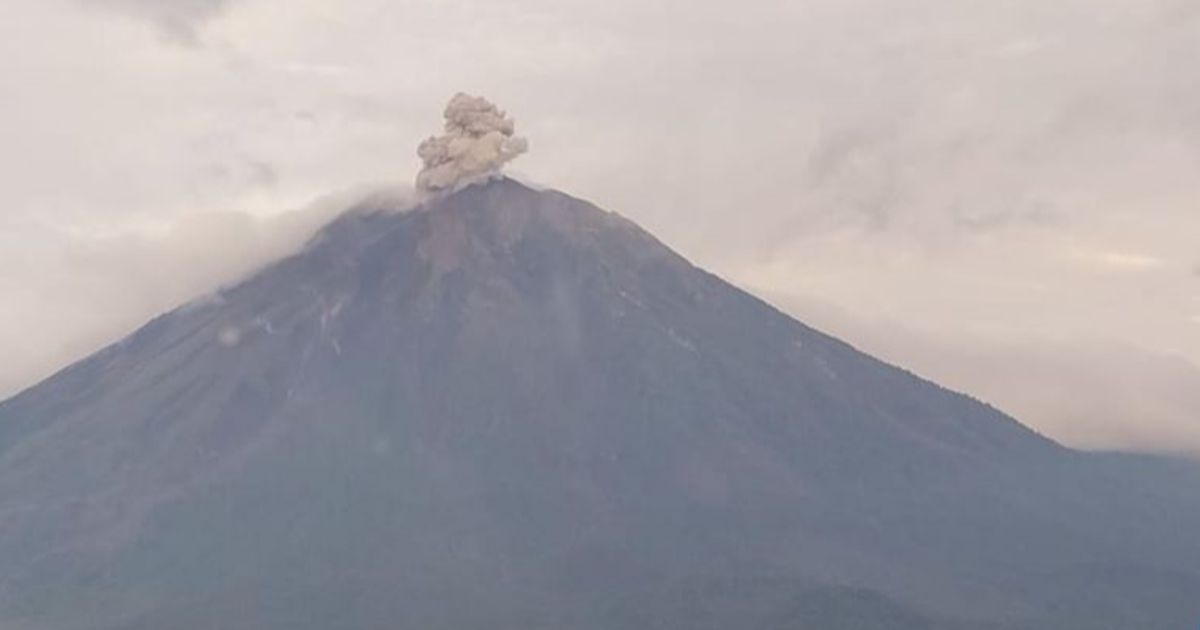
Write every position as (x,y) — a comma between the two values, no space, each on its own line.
(507,408)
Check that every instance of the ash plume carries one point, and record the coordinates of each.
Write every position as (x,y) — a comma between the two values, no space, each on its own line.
(478,141)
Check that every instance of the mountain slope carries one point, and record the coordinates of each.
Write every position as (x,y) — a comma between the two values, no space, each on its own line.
(510,408)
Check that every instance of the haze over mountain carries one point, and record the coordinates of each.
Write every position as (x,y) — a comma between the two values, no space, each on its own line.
(1085,393)
(508,408)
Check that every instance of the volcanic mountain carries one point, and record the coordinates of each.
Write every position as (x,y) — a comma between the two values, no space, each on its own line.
(507,408)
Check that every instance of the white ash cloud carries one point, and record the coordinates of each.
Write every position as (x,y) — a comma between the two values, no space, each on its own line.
(479,140)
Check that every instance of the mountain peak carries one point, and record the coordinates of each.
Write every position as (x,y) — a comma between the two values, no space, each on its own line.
(518,393)
(509,293)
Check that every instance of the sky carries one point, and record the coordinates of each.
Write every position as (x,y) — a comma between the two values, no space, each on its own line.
(1003,196)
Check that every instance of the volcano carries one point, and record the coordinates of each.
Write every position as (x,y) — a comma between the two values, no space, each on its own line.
(508,408)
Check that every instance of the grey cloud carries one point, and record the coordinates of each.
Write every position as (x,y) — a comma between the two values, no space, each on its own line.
(1033,214)
(180,19)
(245,171)
(861,166)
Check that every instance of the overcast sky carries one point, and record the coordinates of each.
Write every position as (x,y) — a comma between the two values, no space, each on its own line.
(979,175)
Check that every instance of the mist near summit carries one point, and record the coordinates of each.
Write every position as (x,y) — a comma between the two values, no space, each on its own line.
(970,174)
